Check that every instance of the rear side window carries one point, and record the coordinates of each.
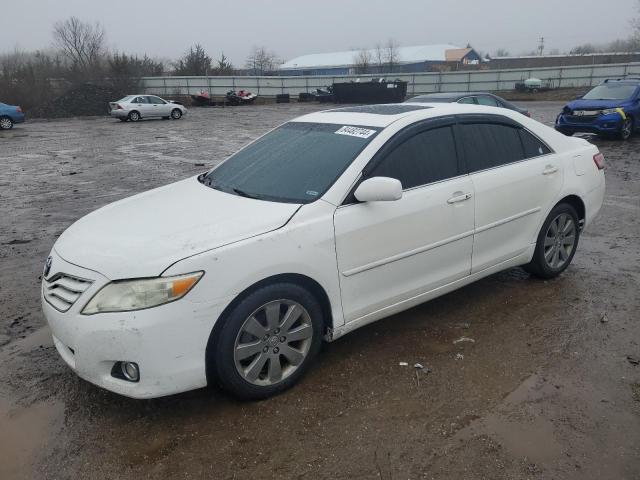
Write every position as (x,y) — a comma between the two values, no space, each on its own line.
(488,145)
(488,101)
(533,147)
(468,100)
(426,157)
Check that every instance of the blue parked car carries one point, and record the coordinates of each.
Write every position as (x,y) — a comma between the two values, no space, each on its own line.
(610,109)
(10,114)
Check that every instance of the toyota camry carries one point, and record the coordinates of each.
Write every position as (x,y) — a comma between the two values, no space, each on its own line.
(327,223)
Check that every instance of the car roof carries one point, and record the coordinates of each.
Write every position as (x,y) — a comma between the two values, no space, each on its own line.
(452,95)
(386,114)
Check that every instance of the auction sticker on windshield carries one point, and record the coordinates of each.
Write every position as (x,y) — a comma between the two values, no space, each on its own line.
(355,132)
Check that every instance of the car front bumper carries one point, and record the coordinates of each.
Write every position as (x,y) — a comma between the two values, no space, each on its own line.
(601,124)
(167,342)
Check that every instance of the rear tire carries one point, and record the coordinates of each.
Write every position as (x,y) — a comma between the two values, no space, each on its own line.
(557,242)
(267,342)
(176,113)
(134,116)
(6,123)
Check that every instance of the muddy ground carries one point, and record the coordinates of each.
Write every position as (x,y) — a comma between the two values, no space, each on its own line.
(545,392)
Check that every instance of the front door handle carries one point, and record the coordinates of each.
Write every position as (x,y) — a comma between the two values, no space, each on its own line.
(459,197)
(549,169)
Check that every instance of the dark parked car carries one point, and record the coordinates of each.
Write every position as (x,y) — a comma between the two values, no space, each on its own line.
(9,115)
(611,109)
(473,98)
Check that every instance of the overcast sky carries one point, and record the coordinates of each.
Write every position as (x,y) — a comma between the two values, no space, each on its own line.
(166,28)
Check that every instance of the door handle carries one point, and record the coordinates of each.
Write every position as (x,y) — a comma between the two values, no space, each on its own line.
(459,197)
(549,169)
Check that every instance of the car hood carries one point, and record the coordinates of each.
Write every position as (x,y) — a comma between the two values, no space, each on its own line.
(595,104)
(141,236)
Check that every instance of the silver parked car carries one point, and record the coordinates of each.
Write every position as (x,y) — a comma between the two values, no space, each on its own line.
(135,107)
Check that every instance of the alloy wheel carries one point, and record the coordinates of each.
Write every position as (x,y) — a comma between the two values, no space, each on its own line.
(627,129)
(273,342)
(5,123)
(559,241)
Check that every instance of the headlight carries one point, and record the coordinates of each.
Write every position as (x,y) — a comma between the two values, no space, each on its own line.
(609,111)
(127,295)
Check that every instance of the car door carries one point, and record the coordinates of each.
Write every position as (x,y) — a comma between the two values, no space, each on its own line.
(391,252)
(158,107)
(515,176)
(141,104)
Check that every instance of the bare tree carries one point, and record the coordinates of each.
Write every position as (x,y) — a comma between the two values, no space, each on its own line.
(378,54)
(502,52)
(81,43)
(362,61)
(261,61)
(391,55)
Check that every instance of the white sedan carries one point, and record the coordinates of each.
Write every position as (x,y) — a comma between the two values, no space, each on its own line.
(325,224)
(137,107)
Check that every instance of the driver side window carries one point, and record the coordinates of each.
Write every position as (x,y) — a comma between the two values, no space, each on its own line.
(427,157)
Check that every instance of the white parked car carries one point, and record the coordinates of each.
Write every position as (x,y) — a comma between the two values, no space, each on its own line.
(136,107)
(325,224)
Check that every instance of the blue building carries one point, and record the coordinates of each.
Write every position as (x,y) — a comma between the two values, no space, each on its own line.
(421,58)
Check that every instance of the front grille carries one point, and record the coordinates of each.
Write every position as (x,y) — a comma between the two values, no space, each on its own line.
(62,290)
(581,118)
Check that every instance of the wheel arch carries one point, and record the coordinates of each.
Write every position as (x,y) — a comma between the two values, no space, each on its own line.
(576,202)
(308,283)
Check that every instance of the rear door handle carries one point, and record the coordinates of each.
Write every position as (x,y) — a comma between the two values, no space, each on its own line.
(459,197)
(549,169)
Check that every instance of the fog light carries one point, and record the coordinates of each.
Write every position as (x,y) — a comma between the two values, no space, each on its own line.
(130,371)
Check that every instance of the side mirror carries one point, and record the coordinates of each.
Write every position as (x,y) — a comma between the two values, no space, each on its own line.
(379,189)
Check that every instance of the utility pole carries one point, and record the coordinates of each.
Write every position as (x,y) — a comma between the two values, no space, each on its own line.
(541,46)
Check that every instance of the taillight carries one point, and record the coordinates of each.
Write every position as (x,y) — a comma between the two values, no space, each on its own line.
(118,106)
(598,158)
(18,109)
(528,114)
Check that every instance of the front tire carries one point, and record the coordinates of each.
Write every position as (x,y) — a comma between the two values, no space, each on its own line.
(6,123)
(557,243)
(176,113)
(267,342)
(626,130)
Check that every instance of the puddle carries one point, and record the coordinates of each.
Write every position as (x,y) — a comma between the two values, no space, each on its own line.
(40,337)
(518,428)
(25,433)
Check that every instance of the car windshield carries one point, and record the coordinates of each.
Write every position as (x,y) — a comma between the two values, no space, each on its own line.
(610,91)
(296,163)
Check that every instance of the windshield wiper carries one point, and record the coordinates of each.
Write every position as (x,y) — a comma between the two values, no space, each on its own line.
(242,193)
